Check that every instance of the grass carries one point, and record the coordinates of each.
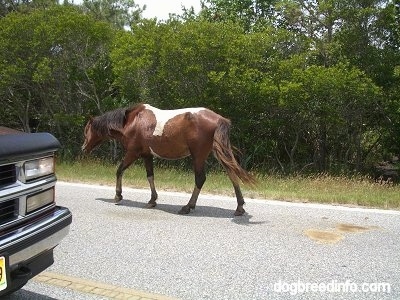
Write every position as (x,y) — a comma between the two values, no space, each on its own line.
(358,191)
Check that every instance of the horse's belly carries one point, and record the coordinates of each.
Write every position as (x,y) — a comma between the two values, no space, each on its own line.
(170,152)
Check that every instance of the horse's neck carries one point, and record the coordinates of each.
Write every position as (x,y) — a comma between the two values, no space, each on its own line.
(116,135)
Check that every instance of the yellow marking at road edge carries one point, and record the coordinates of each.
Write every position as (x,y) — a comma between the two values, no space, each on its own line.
(96,288)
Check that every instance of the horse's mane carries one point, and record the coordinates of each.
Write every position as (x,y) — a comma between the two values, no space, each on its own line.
(112,120)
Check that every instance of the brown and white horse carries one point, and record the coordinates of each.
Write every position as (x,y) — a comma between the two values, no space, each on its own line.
(146,131)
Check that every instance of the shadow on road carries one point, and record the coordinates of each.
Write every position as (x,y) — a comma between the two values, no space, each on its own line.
(24,294)
(200,211)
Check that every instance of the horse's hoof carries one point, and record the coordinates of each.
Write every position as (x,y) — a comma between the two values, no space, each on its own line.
(150,205)
(117,199)
(239,211)
(184,210)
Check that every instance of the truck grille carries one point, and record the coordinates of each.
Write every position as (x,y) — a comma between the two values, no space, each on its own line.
(8,210)
(8,175)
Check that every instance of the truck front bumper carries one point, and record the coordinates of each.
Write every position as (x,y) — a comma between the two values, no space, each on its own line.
(28,250)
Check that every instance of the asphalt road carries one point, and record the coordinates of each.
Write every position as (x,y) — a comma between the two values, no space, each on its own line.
(277,250)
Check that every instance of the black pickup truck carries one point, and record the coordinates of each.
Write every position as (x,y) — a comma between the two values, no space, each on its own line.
(31,224)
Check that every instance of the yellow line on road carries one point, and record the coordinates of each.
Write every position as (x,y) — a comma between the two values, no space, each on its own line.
(96,288)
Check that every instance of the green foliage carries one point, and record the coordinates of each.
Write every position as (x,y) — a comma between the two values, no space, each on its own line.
(248,13)
(335,108)
(120,13)
(54,62)
(8,6)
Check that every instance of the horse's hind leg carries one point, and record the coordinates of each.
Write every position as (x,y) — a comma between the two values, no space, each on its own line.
(148,162)
(200,178)
(240,201)
(126,162)
(239,196)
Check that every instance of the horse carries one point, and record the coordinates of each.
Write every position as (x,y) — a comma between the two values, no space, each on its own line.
(147,132)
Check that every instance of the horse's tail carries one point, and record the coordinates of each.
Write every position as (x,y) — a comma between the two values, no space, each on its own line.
(223,152)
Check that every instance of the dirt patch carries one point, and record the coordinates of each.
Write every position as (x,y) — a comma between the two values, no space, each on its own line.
(324,237)
(336,234)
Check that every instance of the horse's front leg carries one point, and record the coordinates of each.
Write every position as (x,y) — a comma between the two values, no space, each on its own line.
(118,187)
(126,162)
(148,162)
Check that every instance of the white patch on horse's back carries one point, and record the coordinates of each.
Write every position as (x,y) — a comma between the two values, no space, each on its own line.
(163,116)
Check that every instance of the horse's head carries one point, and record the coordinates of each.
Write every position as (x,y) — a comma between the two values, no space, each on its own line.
(92,138)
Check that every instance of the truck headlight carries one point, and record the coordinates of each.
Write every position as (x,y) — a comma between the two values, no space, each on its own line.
(38,167)
(39,200)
